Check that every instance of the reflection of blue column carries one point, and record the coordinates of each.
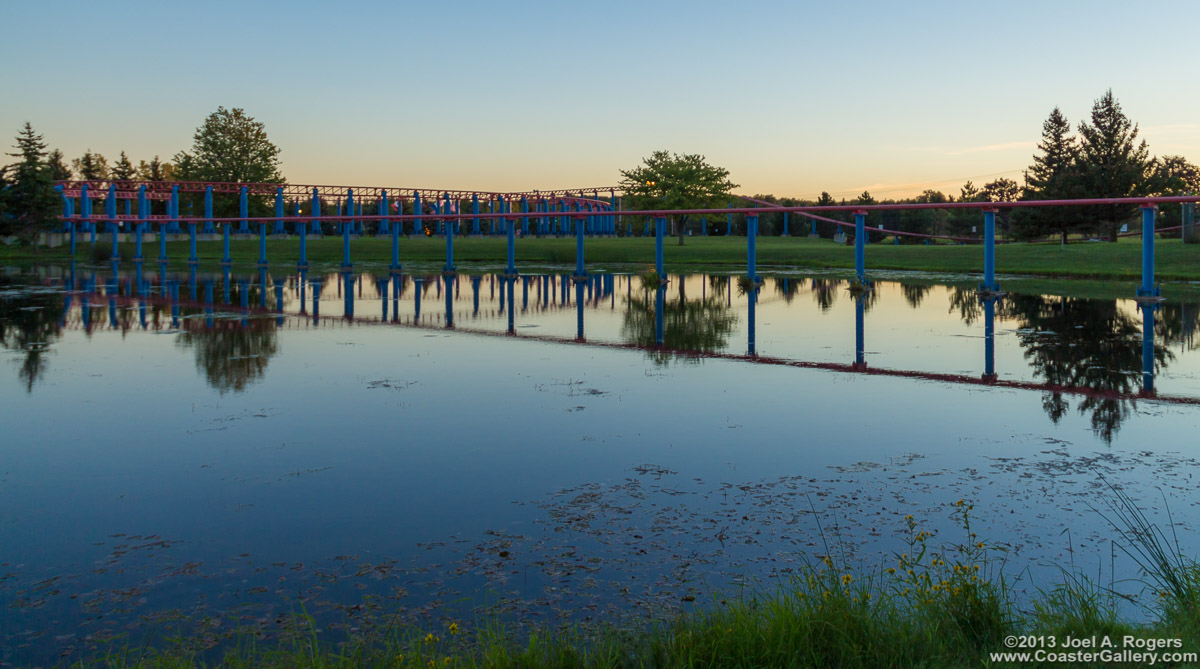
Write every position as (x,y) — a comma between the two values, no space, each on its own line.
(192,286)
(751,320)
(348,293)
(989,252)
(660,226)
(262,287)
(316,290)
(512,307)
(524,293)
(475,293)
(112,296)
(660,303)
(989,339)
(449,293)
(192,259)
(579,311)
(860,256)
(1148,288)
(302,284)
(279,302)
(227,283)
(208,304)
(860,361)
(1148,348)
(382,286)
(418,288)
(174,304)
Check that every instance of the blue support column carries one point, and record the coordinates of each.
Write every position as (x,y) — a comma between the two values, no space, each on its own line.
(244,210)
(346,264)
(110,209)
(1148,289)
(418,225)
(350,212)
(448,270)
(660,225)
(580,230)
(225,231)
(475,210)
(860,256)
(704,226)
(752,249)
(785,224)
(525,217)
(192,259)
(279,212)
(989,252)
(209,229)
(812,230)
(141,222)
(395,267)
(384,225)
(729,223)
(85,208)
(510,225)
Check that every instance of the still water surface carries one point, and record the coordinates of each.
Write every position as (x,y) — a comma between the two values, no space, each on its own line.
(229,448)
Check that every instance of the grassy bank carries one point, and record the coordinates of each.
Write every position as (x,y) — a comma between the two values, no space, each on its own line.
(1122,260)
(943,602)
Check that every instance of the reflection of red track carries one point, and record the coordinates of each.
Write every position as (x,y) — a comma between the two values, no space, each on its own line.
(937,377)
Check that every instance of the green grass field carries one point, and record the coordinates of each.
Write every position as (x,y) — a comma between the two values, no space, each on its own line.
(1175,260)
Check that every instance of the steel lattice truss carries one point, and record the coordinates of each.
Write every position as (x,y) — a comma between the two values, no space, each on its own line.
(161,190)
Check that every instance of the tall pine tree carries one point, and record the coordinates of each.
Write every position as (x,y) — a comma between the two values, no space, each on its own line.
(32,203)
(57,164)
(1054,175)
(123,170)
(91,166)
(1111,164)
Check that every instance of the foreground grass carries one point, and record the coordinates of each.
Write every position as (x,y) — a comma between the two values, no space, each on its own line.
(932,607)
(1175,261)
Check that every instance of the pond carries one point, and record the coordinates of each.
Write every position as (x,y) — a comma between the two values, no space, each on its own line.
(213,451)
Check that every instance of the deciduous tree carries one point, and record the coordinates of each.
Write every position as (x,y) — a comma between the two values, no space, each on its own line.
(671,181)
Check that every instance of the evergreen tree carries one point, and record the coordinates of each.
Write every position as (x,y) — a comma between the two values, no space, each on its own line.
(824,228)
(32,203)
(966,222)
(123,170)
(91,166)
(155,170)
(1054,175)
(57,164)
(1111,164)
(1002,190)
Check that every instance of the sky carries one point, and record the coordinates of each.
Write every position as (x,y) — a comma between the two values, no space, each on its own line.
(793,98)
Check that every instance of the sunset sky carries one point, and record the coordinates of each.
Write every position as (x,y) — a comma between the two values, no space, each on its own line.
(792,97)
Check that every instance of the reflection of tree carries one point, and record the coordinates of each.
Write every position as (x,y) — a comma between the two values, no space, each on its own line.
(1178,323)
(29,323)
(825,292)
(688,325)
(966,302)
(1088,344)
(788,287)
(231,355)
(914,294)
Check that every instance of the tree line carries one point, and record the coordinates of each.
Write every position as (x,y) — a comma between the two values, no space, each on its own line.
(1102,158)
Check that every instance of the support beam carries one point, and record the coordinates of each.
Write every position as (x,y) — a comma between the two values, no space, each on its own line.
(1149,290)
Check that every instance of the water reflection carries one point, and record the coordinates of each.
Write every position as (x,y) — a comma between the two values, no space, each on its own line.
(677,325)
(1096,357)
(1093,345)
